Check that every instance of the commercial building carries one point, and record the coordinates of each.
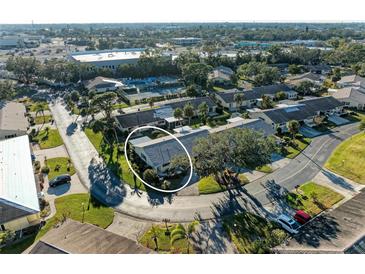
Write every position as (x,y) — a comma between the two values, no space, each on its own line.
(19,205)
(186,41)
(108,58)
(13,121)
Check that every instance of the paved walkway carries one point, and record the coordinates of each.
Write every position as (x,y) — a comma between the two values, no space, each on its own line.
(264,192)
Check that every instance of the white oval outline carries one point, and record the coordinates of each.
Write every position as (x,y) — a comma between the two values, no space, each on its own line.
(136,174)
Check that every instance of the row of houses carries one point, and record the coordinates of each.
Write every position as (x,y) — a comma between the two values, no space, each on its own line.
(351,92)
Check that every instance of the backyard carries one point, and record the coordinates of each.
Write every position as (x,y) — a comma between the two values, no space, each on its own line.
(48,138)
(348,159)
(70,206)
(313,198)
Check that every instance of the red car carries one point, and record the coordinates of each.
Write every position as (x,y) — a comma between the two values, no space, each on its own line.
(302,217)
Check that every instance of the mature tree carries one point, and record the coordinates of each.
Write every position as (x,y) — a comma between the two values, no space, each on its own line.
(238,99)
(293,127)
(186,58)
(25,68)
(305,88)
(150,176)
(259,73)
(6,90)
(105,102)
(203,110)
(266,102)
(180,162)
(236,147)
(192,91)
(196,73)
(294,69)
(178,113)
(75,96)
(188,111)
(180,233)
(280,95)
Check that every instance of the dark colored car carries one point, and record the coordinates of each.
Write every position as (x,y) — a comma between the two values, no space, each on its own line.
(302,217)
(60,180)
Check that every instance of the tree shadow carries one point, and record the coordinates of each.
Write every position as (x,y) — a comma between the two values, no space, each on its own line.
(59,190)
(338,180)
(71,129)
(276,194)
(324,227)
(105,186)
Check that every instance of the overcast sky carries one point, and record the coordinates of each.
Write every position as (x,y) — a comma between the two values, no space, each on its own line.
(120,11)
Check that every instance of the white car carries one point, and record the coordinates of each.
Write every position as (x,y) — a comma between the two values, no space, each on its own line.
(288,224)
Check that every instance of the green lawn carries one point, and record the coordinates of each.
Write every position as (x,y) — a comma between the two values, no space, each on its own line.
(163,241)
(348,159)
(356,117)
(62,162)
(32,105)
(208,185)
(42,119)
(48,140)
(119,106)
(251,233)
(265,169)
(292,152)
(71,206)
(117,164)
(313,198)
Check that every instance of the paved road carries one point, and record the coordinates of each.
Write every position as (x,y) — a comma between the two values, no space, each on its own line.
(152,206)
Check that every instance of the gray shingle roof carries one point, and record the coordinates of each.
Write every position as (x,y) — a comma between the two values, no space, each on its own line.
(148,116)
(255,93)
(303,110)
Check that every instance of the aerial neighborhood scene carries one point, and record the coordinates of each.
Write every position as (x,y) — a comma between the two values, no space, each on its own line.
(182,138)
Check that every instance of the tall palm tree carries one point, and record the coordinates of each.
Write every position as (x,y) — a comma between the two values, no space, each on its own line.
(154,236)
(178,114)
(180,232)
(188,111)
(39,108)
(203,109)
(238,99)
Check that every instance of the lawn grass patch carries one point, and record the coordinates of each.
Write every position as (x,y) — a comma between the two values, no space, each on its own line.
(209,185)
(70,206)
(32,105)
(348,159)
(48,139)
(120,106)
(42,119)
(313,198)
(63,163)
(164,241)
(265,169)
(117,163)
(251,233)
(291,152)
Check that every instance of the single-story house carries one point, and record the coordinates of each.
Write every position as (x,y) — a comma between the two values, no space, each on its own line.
(251,97)
(305,77)
(162,116)
(13,120)
(319,69)
(351,81)
(351,97)
(72,237)
(221,76)
(303,111)
(102,84)
(19,205)
(157,153)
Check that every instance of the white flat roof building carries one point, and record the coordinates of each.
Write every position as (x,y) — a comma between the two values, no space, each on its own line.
(108,58)
(18,191)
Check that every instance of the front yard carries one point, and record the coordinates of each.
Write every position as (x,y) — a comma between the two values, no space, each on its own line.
(116,161)
(48,138)
(209,185)
(252,234)
(42,119)
(348,159)
(58,166)
(70,206)
(313,198)
(292,150)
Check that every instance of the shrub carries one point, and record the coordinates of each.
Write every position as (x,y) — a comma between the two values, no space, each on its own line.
(150,176)
(45,169)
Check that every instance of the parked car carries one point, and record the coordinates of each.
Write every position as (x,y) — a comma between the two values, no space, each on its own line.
(59,180)
(302,217)
(288,224)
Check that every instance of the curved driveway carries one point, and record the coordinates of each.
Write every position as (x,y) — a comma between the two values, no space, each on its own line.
(263,193)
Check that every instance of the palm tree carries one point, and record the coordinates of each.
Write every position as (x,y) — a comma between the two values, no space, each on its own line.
(180,232)
(178,113)
(188,111)
(203,109)
(39,108)
(238,99)
(154,236)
